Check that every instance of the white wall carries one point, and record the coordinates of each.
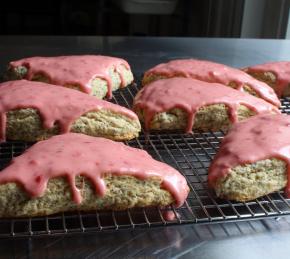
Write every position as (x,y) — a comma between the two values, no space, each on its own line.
(288,27)
(253,16)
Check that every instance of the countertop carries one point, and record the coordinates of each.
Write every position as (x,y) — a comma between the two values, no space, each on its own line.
(268,238)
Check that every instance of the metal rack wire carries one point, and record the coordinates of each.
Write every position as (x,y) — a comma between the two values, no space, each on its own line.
(190,154)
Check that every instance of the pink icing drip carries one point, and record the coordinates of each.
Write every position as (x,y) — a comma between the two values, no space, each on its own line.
(79,70)
(281,70)
(190,95)
(72,154)
(170,215)
(214,73)
(55,104)
(258,138)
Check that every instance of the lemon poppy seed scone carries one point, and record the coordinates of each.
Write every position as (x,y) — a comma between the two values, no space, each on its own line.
(32,111)
(92,74)
(213,73)
(77,172)
(189,104)
(275,74)
(253,160)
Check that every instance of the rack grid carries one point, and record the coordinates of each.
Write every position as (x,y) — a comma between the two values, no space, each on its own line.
(190,154)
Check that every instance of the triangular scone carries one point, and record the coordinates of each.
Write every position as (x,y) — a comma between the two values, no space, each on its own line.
(77,172)
(92,74)
(253,159)
(188,104)
(275,74)
(32,111)
(211,72)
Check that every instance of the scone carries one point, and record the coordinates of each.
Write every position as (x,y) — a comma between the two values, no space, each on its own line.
(189,104)
(253,159)
(32,111)
(94,75)
(275,74)
(76,172)
(212,73)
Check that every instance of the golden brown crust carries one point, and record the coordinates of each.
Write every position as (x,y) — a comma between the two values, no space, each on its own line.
(122,192)
(270,79)
(251,181)
(26,125)
(212,117)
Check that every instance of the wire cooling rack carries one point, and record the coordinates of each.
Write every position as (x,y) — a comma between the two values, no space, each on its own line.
(191,154)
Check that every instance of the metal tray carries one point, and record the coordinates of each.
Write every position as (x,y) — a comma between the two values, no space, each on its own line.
(191,154)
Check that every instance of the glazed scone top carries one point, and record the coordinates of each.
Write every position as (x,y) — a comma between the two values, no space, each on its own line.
(281,69)
(258,138)
(72,154)
(81,70)
(214,73)
(190,95)
(55,104)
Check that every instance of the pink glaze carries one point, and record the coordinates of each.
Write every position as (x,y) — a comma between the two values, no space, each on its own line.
(79,70)
(258,138)
(214,73)
(170,215)
(281,70)
(189,95)
(55,104)
(72,154)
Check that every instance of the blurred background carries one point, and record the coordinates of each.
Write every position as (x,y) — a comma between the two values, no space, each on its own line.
(187,18)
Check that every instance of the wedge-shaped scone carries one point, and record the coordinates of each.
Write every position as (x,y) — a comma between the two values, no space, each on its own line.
(253,160)
(94,75)
(189,104)
(213,73)
(275,74)
(76,172)
(32,111)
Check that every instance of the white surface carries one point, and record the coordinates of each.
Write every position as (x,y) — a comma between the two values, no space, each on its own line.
(288,27)
(253,16)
